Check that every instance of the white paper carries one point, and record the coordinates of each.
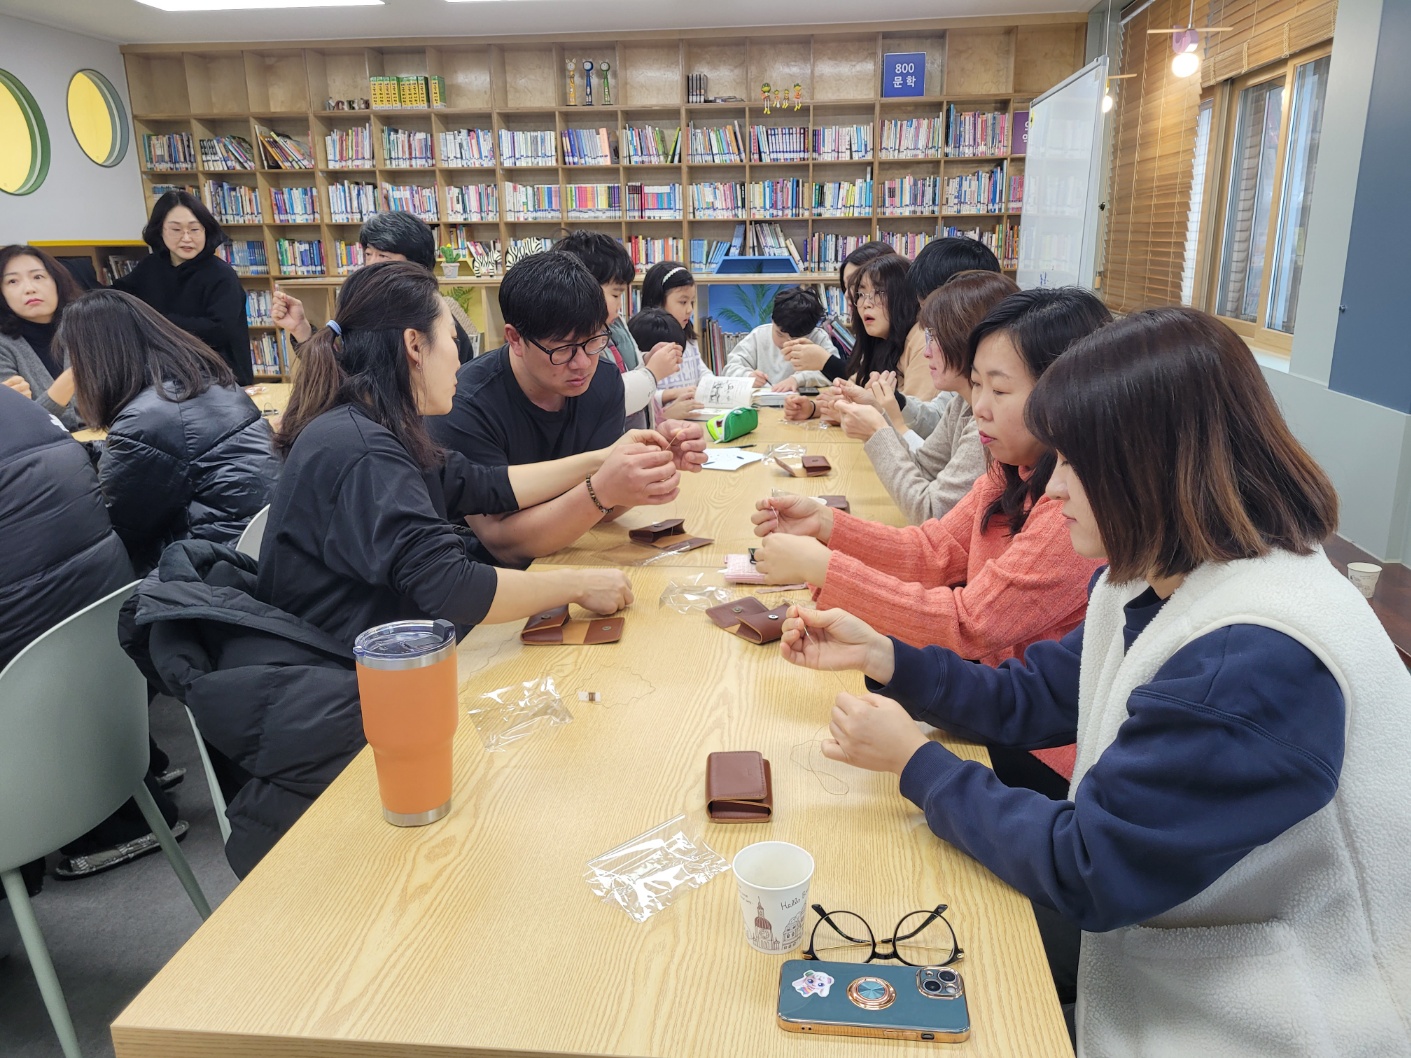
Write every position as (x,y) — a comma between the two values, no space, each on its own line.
(716,391)
(729,458)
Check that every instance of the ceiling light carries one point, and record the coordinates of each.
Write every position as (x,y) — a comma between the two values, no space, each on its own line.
(252,5)
(1185,63)
(1108,102)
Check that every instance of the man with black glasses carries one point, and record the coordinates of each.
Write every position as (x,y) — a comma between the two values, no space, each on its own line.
(540,397)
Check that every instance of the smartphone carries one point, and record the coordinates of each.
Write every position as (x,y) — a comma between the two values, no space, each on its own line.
(925,1003)
(808,391)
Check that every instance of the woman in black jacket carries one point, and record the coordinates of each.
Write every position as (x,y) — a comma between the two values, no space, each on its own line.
(184,280)
(188,453)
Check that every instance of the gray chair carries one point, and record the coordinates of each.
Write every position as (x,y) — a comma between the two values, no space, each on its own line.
(73,748)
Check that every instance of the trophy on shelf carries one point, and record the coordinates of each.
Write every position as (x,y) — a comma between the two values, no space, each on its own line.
(587,82)
(572,65)
(764,92)
(605,66)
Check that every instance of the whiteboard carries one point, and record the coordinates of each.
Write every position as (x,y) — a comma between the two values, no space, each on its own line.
(1062,170)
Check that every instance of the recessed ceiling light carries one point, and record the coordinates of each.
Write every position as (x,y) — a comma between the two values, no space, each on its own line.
(251,5)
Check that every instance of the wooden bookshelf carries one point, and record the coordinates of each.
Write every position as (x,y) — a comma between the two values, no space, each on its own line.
(519,85)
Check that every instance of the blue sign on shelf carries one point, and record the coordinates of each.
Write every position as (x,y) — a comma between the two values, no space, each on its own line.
(904,73)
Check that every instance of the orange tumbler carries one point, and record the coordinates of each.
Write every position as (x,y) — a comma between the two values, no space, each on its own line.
(407,683)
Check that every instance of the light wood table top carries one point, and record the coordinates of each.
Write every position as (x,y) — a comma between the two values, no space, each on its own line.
(478,935)
(268,397)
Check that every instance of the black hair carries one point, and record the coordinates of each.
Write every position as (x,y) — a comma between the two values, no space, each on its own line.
(393,231)
(888,275)
(152,233)
(118,346)
(601,254)
(367,363)
(940,259)
(552,296)
(864,254)
(651,326)
(67,287)
(661,278)
(797,311)
(1041,324)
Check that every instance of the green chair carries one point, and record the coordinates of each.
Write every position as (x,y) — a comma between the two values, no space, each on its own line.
(73,748)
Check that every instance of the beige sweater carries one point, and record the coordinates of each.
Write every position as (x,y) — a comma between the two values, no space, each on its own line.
(930,481)
(913,376)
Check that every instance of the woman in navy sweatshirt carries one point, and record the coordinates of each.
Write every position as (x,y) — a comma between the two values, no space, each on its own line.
(1233,842)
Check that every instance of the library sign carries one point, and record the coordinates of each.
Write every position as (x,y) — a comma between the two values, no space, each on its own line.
(904,73)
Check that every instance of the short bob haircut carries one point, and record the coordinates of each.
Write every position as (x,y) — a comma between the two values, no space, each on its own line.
(951,311)
(797,311)
(393,231)
(118,346)
(652,326)
(940,259)
(67,286)
(1170,427)
(887,274)
(601,254)
(551,296)
(152,233)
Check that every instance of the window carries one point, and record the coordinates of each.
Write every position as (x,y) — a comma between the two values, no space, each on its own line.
(97,117)
(1264,177)
(24,139)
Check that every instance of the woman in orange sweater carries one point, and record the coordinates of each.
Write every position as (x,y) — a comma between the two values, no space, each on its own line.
(998,572)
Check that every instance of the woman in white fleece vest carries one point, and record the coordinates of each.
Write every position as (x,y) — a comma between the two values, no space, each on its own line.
(1234,842)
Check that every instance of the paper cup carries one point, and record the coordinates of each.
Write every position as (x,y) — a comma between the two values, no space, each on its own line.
(773,878)
(1364,576)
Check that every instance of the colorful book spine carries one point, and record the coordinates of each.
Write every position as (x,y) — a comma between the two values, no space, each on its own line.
(468,149)
(706,254)
(647,252)
(472,202)
(777,198)
(653,201)
(976,133)
(650,145)
(718,201)
(527,148)
(294,205)
(909,196)
(351,203)
(722,144)
(594,201)
(411,198)
(264,354)
(349,256)
(980,192)
(779,143)
(769,240)
(383,93)
(437,87)
(246,256)
(824,251)
(233,203)
(283,152)
(912,138)
(842,198)
(1016,193)
(258,308)
(227,154)
(407,149)
(842,143)
(587,147)
(168,153)
(533,201)
(299,257)
(349,148)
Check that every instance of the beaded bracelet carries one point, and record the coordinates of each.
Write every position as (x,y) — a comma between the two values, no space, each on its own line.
(594,496)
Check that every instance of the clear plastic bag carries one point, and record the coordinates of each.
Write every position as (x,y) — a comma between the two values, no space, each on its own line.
(649,872)
(512,713)
(692,593)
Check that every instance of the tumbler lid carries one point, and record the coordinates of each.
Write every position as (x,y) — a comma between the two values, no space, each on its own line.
(405,644)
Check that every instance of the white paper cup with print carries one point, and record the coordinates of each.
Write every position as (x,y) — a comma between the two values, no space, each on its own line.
(1364,577)
(773,878)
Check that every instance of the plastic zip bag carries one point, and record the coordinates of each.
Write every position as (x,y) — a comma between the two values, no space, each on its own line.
(649,872)
(512,713)
(689,594)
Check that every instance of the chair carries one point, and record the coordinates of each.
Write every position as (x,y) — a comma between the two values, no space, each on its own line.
(249,542)
(73,748)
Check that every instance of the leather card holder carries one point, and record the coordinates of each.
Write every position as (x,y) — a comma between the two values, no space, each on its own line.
(750,619)
(838,503)
(813,466)
(668,535)
(553,628)
(739,787)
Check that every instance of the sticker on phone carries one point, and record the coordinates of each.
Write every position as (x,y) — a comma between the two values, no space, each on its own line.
(813,981)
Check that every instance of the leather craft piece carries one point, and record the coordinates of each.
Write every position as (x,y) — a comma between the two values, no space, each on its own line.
(839,503)
(668,535)
(749,619)
(553,628)
(739,787)
(813,466)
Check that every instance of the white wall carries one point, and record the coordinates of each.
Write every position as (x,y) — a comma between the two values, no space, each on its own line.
(78,199)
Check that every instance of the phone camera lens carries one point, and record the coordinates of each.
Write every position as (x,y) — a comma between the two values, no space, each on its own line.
(931,986)
(947,975)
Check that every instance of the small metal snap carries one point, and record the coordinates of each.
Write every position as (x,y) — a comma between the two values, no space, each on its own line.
(773,616)
(737,609)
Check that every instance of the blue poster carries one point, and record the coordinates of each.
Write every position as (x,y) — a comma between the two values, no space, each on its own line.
(904,73)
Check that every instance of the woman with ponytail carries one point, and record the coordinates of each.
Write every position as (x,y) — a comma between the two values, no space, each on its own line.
(367,524)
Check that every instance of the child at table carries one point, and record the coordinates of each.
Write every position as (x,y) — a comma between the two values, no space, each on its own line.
(652,327)
(764,353)
(1236,818)
(669,285)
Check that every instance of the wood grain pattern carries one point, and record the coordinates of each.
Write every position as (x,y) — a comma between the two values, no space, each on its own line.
(1392,600)
(478,936)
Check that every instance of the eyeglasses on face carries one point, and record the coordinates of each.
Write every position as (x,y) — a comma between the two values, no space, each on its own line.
(868,297)
(562,354)
(921,938)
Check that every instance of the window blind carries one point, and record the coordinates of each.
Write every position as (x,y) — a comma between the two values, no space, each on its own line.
(1261,32)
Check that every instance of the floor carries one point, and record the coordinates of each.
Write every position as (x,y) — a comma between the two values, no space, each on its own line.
(108,935)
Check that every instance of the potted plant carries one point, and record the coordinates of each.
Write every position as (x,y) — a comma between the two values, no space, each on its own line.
(450,261)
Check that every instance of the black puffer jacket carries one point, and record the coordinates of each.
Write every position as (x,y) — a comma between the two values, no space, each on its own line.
(201,467)
(60,552)
(271,692)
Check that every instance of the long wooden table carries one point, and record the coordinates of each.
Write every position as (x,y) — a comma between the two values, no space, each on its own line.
(478,935)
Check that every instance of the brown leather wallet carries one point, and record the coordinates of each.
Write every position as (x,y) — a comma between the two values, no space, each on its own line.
(668,535)
(553,627)
(816,465)
(839,503)
(748,618)
(739,787)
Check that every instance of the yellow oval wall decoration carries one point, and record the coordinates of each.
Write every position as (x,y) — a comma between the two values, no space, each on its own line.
(97,117)
(24,138)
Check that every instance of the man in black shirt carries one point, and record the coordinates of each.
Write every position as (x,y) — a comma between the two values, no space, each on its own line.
(541,397)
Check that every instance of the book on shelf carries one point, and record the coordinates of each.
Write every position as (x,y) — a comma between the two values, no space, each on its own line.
(912,138)
(299,257)
(594,201)
(158,190)
(737,241)
(1016,193)
(836,322)
(909,196)
(1003,240)
(906,243)
(349,148)
(472,202)
(982,191)
(233,203)
(259,307)
(634,301)
(646,252)
(411,198)
(283,152)
(348,256)
(350,202)
(706,254)
(718,200)
(824,251)
(227,152)
(778,143)
(527,148)
(1020,135)
(587,147)
(842,198)
(769,240)
(653,201)
(715,344)
(468,148)
(533,202)
(168,152)
(406,149)
(436,85)
(264,354)
(697,87)
(976,133)
(650,145)
(246,256)
(294,205)
(842,143)
(119,265)
(781,198)
(720,144)
(406,91)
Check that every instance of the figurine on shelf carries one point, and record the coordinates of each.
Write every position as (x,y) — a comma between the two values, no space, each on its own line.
(605,66)
(764,91)
(588,82)
(798,96)
(779,96)
(572,65)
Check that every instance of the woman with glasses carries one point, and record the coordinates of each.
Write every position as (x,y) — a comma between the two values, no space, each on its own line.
(1233,841)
